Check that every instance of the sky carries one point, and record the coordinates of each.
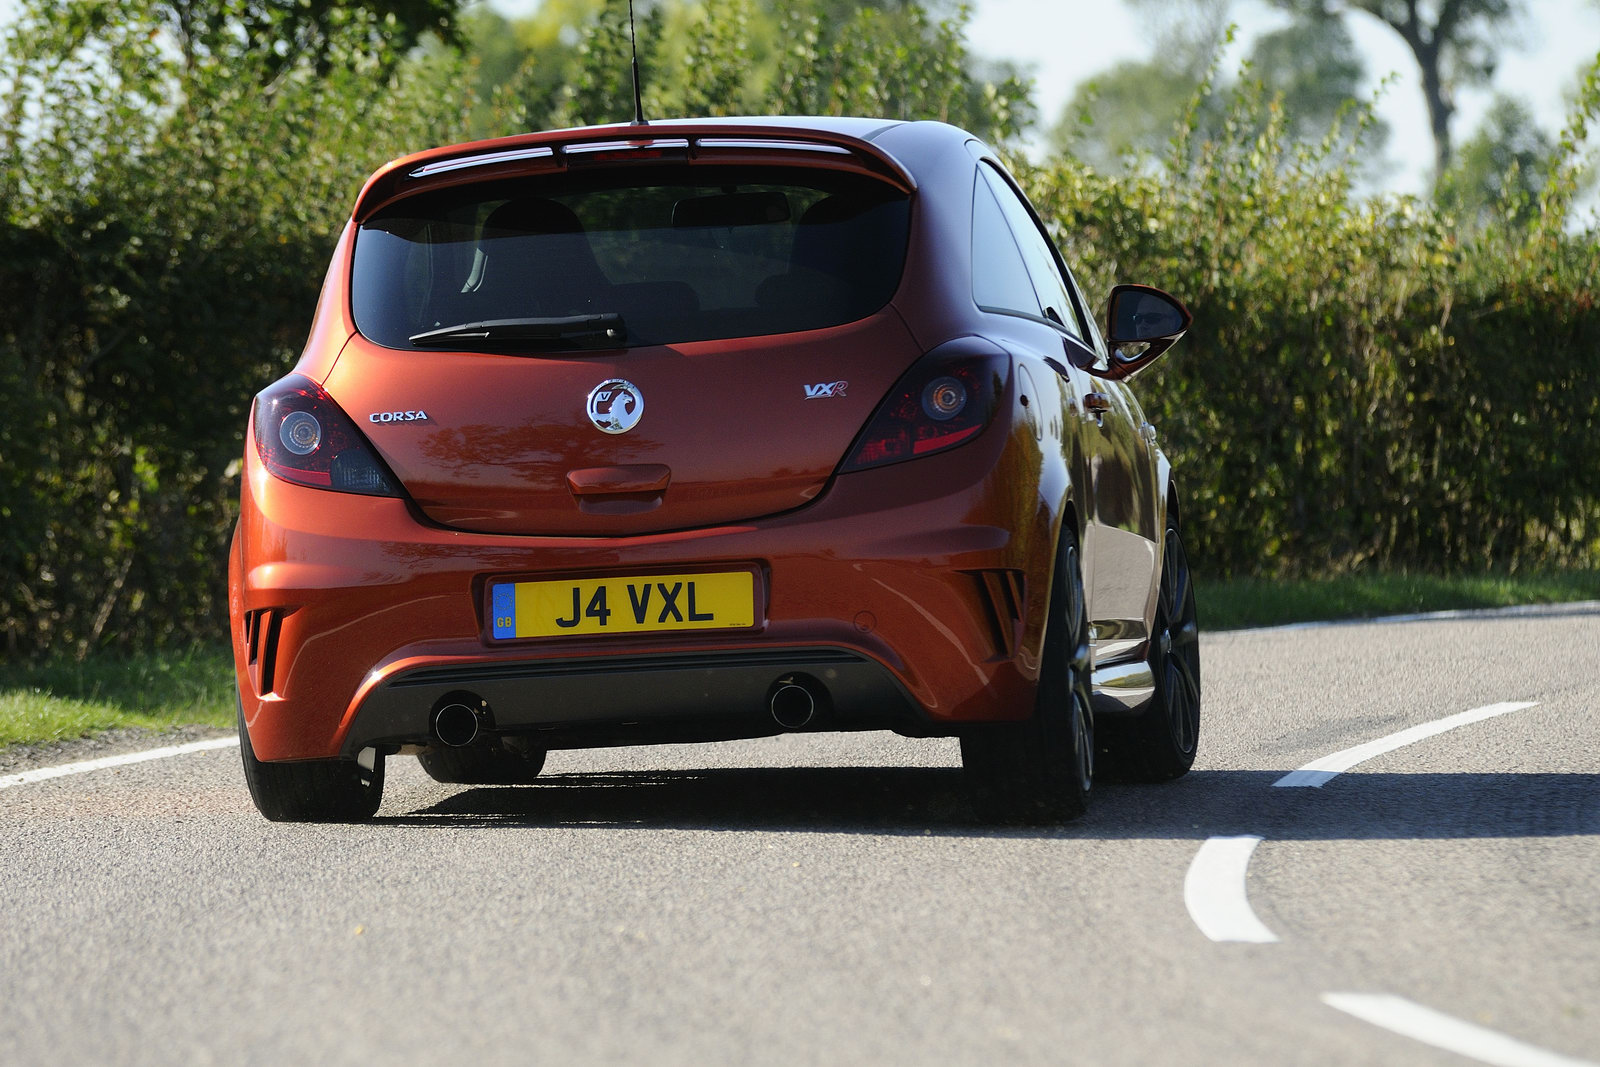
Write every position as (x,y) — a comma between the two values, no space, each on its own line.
(1065,42)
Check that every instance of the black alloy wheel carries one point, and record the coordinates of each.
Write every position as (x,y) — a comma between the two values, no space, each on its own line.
(1161,743)
(1042,771)
(491,763)
(324,790)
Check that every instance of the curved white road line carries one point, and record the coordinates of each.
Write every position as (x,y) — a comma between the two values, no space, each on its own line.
(1446,1032)
(1318,772)
(44,774)
(1214,891)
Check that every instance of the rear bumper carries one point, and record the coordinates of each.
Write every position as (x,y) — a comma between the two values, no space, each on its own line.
(913,607)
(603,700)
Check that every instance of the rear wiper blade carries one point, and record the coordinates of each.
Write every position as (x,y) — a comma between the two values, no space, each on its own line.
(562,331)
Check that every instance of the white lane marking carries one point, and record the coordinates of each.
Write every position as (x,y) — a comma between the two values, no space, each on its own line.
(1318,772)
(44,774)
(1443,1031)
(1214,891)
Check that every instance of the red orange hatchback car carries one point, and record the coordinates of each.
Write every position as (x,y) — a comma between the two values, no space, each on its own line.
(707,430)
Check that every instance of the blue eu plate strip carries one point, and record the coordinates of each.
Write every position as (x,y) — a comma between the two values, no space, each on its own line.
(505,610)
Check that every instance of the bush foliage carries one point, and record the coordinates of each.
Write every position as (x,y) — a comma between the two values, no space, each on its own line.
(1366,381)
(166,215)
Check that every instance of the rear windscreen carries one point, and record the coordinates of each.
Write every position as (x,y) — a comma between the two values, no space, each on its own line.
(680,254)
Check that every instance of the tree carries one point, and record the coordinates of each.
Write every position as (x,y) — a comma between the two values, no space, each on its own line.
(599,85)
(1450,40)
(1311,65)
(1123,113)
(894,58)
(1132,109)
(1501,170)
(1314,66)
(281,33)
(895,62)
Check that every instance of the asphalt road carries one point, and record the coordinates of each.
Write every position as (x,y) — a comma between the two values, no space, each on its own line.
(826,899)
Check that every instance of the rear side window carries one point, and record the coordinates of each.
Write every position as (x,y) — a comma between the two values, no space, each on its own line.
(1036,253)
(681,254)
(1000,279)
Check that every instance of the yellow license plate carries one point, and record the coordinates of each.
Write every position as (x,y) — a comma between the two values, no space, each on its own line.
(645,604)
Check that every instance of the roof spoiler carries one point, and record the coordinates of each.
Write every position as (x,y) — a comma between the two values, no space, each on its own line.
(624,145)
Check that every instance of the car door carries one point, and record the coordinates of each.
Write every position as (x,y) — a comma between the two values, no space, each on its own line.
(1131,536)
(1121,537)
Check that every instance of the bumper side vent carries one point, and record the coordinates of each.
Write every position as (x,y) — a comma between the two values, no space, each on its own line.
(1002,597)
(261,629)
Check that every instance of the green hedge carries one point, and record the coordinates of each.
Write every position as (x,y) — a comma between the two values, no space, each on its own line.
(1364,383)
(164,230)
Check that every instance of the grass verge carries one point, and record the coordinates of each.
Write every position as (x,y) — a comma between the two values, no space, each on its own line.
(1241,602)
(61,698)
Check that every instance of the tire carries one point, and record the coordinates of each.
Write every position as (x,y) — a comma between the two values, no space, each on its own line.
(486,764)
(1160,744)
(332,790)
(1042,771)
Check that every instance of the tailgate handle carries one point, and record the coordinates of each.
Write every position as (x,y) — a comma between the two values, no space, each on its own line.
(611,481)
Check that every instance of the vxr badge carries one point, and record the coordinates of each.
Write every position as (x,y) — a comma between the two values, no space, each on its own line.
(615,405)
(825,390)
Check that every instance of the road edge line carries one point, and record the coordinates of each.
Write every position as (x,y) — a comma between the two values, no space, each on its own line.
(45,774)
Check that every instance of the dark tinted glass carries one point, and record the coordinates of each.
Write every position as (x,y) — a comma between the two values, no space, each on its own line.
(1036,254)
(682,254)
(999,277)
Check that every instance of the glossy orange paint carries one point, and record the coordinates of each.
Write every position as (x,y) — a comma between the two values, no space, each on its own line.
(935,571)
(487,459)
(367,589)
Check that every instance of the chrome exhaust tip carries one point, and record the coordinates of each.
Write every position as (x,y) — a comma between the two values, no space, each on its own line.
(792,705)
(456,724)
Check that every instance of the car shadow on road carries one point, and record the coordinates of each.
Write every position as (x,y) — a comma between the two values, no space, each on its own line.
(931,800)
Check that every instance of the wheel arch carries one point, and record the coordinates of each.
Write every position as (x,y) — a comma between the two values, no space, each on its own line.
(1069,516)
(1170,518)
(1167,478)
(1057,509)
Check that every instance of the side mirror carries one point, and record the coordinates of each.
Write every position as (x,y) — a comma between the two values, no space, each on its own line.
(1142,322)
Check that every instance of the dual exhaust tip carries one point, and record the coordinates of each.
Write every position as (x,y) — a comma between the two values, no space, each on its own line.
(793,701)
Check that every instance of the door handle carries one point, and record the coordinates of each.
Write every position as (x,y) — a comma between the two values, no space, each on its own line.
(1096,404)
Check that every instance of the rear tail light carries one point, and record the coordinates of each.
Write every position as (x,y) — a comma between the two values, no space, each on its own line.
(946,399)
(303,437)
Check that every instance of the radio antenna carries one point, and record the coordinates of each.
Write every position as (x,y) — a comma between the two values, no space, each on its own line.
(633,44)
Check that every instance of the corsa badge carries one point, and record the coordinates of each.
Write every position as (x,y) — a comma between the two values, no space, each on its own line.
(615,406)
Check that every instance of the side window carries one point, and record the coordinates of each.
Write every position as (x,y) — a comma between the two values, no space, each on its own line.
(1000,280)
(1036,254)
